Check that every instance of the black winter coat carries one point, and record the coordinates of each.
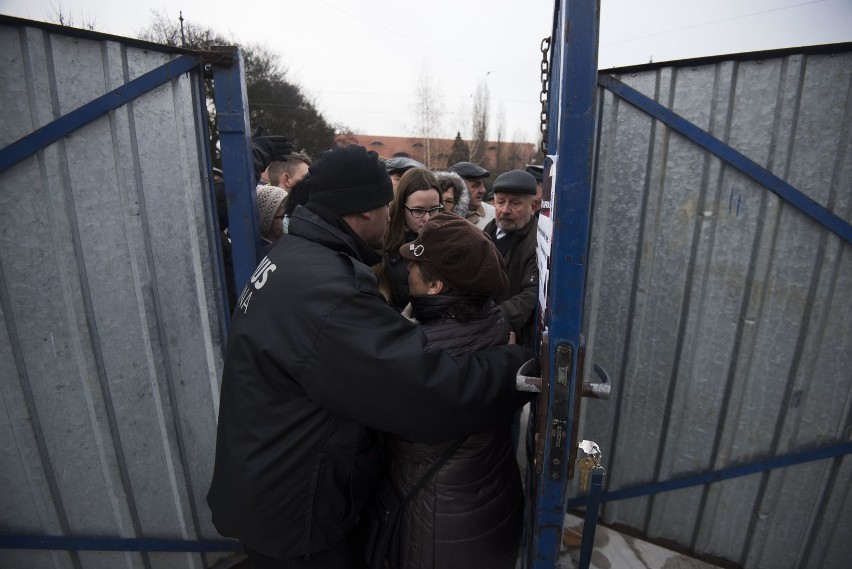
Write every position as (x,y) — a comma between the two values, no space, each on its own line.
(471,513)
(316,363)
(518,304)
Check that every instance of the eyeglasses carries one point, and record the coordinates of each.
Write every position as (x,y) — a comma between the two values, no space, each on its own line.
(420,212)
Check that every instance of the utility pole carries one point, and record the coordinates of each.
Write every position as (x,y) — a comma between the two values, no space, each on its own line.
(182,38)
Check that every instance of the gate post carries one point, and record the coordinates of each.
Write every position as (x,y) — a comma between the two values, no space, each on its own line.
(232,120)
(571,131)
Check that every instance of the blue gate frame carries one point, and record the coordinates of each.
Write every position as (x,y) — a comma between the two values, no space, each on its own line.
(226,65)
(572,87)
(791,196)
(571,118)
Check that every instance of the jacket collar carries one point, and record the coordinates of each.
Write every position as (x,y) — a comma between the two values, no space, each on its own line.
(322,226)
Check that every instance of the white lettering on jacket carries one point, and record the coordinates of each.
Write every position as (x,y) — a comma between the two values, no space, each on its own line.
(262,272)
(245,297)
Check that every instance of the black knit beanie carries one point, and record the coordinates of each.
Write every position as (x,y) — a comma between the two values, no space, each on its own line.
(348,179)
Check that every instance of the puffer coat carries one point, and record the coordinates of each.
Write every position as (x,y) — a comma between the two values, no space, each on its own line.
(470,514)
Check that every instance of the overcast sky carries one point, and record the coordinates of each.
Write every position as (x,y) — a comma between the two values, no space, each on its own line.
(362,61)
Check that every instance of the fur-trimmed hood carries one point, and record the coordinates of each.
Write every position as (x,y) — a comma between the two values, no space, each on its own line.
(463,202)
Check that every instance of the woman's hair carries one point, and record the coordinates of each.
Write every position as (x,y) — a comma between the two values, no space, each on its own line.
(468,306)
(414,180)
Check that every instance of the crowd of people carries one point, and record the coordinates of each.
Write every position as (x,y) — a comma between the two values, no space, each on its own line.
(379,337)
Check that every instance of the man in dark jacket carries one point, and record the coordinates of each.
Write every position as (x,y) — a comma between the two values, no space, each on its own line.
(514,232)
(317,363)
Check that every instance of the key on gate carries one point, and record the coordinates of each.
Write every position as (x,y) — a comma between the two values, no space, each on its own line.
(587,464)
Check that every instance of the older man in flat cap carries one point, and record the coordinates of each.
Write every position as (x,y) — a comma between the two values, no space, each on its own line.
(474,176)
(318,364)
(514,232)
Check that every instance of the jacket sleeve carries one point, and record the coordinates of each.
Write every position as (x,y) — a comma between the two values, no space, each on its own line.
(369,364)
(519,309)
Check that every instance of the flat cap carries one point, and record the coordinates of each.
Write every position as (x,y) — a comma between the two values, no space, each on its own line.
(469,170)
(401,163)
(537,170)
(515,182)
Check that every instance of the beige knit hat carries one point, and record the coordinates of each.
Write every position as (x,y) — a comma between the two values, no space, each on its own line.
(269,199)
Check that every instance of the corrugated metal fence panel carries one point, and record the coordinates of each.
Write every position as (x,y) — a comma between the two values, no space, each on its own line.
(111,311)
(722,313)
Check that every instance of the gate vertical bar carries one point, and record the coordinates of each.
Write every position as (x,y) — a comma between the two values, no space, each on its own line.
(571,139)
(238,171)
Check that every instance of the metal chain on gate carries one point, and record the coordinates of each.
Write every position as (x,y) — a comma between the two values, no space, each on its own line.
(545,74)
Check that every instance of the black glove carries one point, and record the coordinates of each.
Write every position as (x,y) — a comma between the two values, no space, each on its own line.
(267,149)
(275,147)
(280,146)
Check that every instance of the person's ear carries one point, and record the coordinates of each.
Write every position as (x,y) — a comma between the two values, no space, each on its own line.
(435,287)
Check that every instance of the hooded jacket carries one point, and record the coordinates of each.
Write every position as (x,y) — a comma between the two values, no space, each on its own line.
(316,364)
(470,514)
(462,205)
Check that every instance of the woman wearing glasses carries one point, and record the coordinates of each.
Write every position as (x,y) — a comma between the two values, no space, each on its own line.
(416,201)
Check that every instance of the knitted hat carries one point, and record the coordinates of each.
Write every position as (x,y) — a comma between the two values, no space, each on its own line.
(460,253)
(515,182)
(348,179)
(269,199)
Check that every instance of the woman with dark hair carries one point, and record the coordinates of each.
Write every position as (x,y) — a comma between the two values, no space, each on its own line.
(416,201)
(470,512)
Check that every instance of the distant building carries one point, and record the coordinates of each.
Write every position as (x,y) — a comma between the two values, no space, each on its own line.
(436,151)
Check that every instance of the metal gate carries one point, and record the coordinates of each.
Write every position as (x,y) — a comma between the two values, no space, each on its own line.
(719,278)
(716,295)
(563,244)
(111,301)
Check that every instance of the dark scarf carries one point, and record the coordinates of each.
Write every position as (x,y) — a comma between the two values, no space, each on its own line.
(429,309)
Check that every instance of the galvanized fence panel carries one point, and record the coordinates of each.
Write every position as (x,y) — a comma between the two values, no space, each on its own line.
(111,306)
(721,311)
